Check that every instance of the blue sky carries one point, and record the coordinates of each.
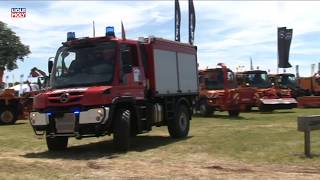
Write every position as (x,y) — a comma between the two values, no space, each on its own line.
(226,31)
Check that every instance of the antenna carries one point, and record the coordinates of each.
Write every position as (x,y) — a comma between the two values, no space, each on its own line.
(251,65)
(123,32)
(93,29)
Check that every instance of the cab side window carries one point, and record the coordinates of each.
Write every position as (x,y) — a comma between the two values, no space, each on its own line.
(129,59)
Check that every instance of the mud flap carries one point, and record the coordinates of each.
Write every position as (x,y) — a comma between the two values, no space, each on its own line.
(281,103)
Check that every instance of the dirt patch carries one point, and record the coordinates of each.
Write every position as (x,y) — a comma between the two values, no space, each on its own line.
(134,166)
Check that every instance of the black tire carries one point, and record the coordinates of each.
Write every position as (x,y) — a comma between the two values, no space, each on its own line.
(205,110)
(178,127)
(8,115)
(234,113)
(57,143)
(264,109)
(121,132)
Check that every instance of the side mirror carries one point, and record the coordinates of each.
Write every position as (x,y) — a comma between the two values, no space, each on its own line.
(50,65)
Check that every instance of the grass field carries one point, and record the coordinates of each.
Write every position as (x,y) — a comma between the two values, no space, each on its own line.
(255,145)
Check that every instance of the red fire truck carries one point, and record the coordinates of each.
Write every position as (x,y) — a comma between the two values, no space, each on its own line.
(105,85)
(219,91)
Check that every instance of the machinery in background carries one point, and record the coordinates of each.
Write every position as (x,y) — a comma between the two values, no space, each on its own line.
(265,96)
(219,91)
(14,104)
(311,85)
(285,82)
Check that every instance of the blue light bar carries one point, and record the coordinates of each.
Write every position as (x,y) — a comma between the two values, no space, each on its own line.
(49,114)
(76,112)
(71,36)
(110,31)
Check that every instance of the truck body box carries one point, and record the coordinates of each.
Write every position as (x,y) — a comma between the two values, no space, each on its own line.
(174,68)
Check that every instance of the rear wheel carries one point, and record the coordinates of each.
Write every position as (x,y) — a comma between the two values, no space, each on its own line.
(8,115)
(234,113)
(178,127)
(121,133)
(57,143)
(205,110)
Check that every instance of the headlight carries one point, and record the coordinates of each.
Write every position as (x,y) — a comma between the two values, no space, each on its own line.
(38,118)
(100,115)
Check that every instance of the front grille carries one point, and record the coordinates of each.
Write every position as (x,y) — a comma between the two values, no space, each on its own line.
(72,97)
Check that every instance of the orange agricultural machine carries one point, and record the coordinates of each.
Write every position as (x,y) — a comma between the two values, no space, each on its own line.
(265,96)
(312,86)
(219,91)
(286,83)
(13,106)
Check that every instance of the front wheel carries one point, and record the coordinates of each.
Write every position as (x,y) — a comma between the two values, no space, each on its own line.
(262,108)
(205,110)
(8,115)
(179,125)
(121,133)
(57,143)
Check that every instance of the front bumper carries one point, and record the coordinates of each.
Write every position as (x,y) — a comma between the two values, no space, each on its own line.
(281,103)
(76,123)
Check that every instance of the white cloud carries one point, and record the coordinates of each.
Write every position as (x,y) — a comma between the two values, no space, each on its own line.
(254,32)
(227,31)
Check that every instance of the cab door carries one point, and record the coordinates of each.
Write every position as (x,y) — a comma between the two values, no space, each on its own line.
(132,78)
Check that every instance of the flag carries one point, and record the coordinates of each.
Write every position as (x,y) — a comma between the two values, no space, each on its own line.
(284,41)
(123,32)
(177,20)
(192,22)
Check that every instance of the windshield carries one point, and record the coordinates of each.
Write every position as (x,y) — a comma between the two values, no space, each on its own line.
(84,66)
(259,80)
(288,81)
(214,80)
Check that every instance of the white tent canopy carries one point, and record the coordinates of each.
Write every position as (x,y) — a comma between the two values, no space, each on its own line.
(25,88)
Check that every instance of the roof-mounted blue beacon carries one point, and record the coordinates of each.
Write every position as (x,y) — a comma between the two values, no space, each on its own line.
(71,36)
(110,31)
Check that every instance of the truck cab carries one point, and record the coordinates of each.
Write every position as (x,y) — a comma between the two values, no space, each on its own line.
(105,85)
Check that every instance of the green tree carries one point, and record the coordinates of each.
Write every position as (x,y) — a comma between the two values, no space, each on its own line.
(11,48)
